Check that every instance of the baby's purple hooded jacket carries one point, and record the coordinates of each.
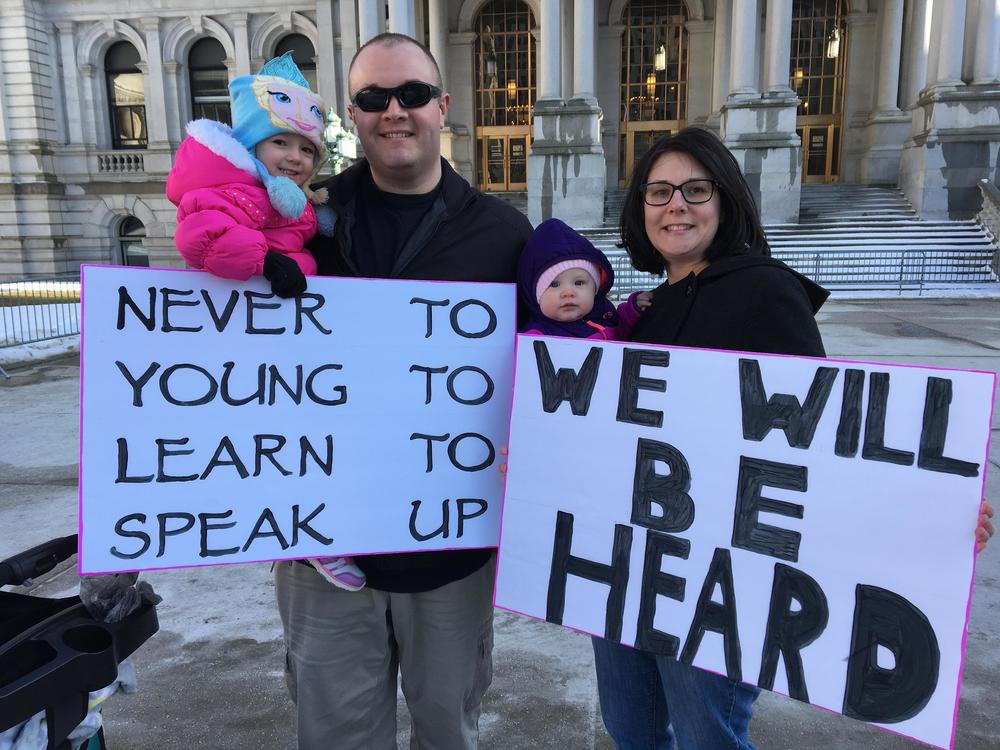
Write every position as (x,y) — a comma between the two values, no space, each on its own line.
(554,242)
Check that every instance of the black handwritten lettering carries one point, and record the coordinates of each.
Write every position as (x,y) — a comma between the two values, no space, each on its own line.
(565,564)
(783,411)
(748,532)
(566,385)
(631,383)
(668,492)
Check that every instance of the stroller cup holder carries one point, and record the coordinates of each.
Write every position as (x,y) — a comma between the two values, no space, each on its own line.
(53,653)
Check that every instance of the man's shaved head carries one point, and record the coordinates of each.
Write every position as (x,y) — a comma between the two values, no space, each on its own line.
(389,39)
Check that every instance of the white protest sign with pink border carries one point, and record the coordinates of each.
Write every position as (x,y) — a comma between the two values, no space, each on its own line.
(221,424)
(800,524)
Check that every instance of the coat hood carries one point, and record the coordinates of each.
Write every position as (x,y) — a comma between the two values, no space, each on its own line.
(209,157)
(554,242)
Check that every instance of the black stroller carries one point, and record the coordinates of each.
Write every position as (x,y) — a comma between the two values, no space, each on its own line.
(53,653)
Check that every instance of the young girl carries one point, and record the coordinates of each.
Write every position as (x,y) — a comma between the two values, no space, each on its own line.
(564,280)
(241,196)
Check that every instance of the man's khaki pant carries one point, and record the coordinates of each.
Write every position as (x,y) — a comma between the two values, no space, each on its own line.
(344,650)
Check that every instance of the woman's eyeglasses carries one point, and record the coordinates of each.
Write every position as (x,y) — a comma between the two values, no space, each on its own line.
(693,191)
(410,95)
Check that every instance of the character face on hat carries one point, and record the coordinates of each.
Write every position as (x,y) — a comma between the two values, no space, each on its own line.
(289,106)
(569,296)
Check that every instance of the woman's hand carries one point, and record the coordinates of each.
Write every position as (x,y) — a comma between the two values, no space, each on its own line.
(502,466)
(643,300)
(985,528)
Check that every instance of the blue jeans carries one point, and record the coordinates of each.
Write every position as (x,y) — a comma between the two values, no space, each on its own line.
(647,701)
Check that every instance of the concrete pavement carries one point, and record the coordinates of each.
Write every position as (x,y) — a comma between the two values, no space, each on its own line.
(211,678)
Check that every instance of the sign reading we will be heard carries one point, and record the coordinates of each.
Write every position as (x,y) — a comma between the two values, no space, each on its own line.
(799,524)
(222,424)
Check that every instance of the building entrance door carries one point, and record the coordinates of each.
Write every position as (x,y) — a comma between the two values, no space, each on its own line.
(820,151)
(817,75)
(637,140)
(502,158)
(653,84)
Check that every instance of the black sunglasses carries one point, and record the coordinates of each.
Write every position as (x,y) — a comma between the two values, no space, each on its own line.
(410,95)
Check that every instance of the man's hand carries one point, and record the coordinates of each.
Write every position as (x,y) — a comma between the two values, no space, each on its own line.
(287,279)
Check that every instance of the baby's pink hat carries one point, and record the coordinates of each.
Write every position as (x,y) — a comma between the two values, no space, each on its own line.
(564,265)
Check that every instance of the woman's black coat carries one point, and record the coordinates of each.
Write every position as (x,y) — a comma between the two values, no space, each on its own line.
(738,303)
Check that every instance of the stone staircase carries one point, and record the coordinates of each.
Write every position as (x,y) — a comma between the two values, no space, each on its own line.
(849,238)
(853,238)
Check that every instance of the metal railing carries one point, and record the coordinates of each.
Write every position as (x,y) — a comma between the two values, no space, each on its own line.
(901,270)
(33,310)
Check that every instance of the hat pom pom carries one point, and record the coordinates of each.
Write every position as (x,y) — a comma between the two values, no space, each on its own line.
(286,197)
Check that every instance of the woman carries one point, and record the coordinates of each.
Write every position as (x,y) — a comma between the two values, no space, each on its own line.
(689,212)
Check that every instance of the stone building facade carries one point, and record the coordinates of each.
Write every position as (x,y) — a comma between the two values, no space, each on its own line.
(558,98)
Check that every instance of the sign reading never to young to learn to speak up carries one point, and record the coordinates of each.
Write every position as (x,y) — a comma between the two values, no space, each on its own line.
(800,524)
(222,424)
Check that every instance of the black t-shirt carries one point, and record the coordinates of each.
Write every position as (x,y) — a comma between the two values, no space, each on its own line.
(384,222)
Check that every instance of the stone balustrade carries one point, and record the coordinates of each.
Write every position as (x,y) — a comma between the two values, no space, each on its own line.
(120,162)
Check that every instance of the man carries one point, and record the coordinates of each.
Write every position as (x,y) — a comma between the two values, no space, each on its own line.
(402,212)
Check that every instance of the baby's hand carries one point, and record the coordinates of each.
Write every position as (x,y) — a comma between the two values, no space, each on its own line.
(643,300)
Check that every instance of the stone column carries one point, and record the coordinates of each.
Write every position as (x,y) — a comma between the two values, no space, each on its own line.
(889,50)
(886,127)
(609,57)
(457,140)
(348,46)
(584,25)
(987,43)
(326,64)
(758,129)
(157,157)
(437,22)
(567,45)
(241,42)
(402,17)
(566,169)
(918,44)
(743,63)
(778,47)
(721,61)
(955,136)
(699,107)
(950,25)
(368,19)
(550,52)
(67,48)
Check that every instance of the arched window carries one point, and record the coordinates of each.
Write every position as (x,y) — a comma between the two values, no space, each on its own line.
(209,81)
(126,96)
(131,233)
(303,53)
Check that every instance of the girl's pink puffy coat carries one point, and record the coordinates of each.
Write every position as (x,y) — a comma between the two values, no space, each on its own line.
(225,221)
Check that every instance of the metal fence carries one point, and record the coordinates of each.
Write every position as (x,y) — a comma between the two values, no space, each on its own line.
(846,270)
(34,310)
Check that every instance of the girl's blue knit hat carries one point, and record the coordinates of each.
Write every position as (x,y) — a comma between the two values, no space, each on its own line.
(278,100)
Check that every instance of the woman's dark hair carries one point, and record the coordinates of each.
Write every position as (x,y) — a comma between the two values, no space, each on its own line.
(740,231)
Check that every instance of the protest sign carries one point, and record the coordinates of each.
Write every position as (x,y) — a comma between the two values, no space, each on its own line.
(804,525)
(222,424)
